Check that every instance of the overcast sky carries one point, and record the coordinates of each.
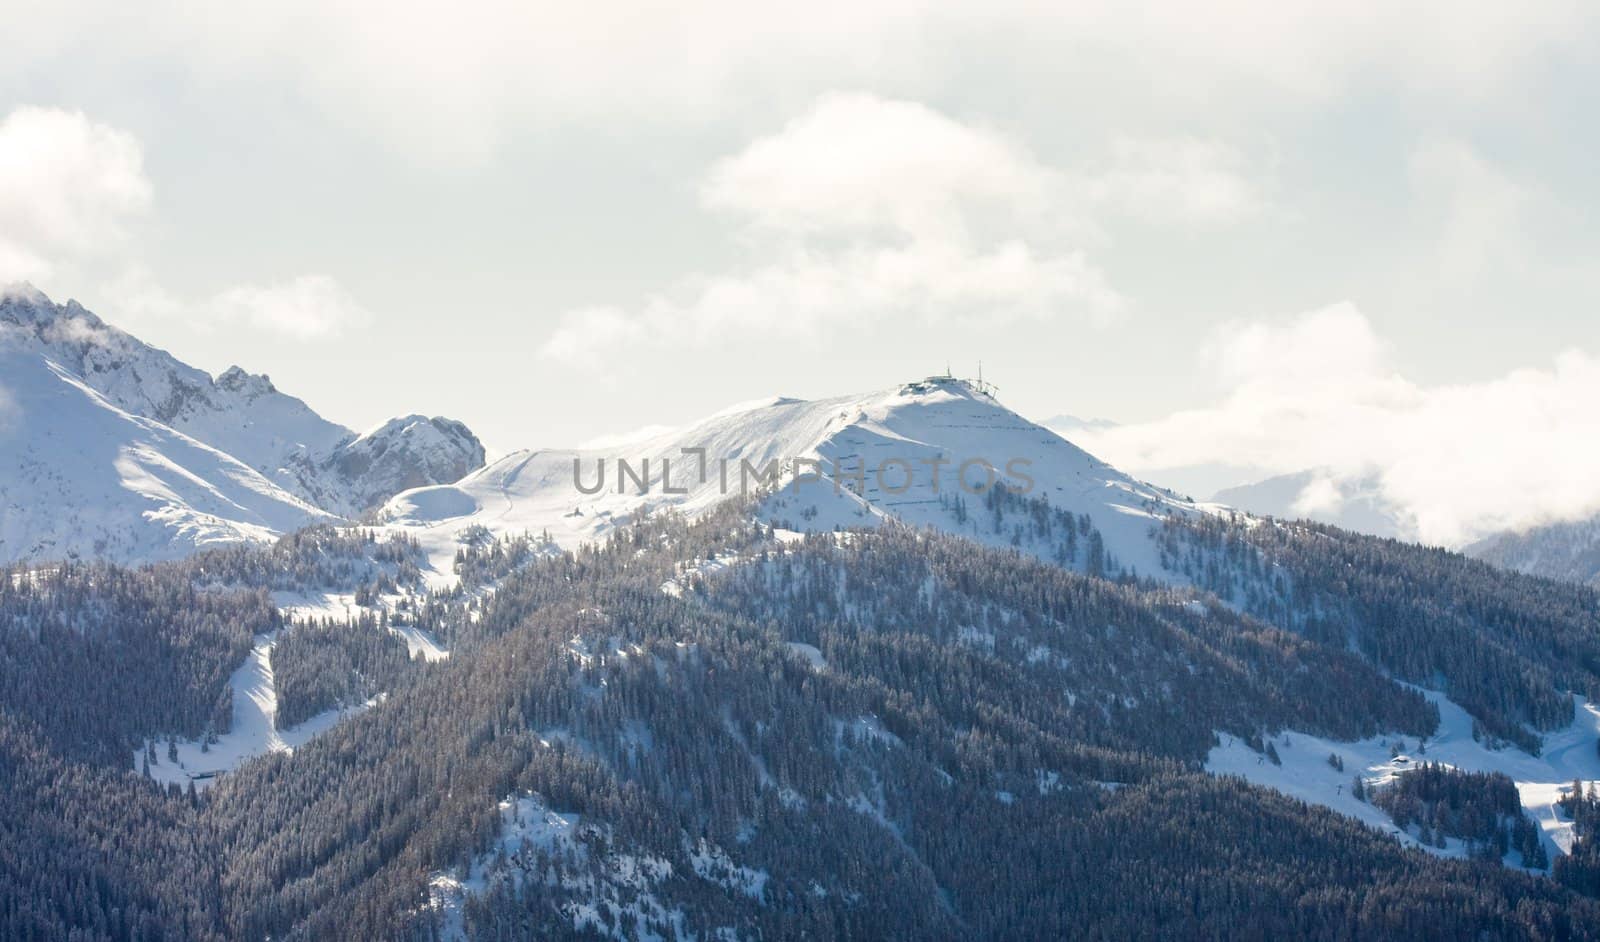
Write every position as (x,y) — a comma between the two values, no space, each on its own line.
(1274,234)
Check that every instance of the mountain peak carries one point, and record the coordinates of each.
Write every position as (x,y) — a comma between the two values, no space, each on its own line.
(22,291)
(23,304)
(235,379)
(920,452)
(406,452)
(955,385)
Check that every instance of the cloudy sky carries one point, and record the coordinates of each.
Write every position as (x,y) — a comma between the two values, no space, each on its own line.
(1260,236)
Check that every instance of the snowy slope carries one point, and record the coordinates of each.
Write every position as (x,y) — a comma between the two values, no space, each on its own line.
(114,448)
(241,414)
(909,433)
(80,476)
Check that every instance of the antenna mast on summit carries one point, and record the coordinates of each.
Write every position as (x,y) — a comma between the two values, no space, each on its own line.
(987,389)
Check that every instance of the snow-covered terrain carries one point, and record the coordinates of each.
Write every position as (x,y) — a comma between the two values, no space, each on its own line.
(254,731)
(116,449)
(1569,754)
(608,887)
(400,454)
(341,606)
(921,453)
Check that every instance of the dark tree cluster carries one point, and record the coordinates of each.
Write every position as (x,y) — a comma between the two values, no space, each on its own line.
(321,557)
(326,664)
(988,747)
(99,658)
(1580,869)
(1480,808)
(1097,661)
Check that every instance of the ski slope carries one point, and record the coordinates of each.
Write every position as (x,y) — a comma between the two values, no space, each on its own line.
(253,732)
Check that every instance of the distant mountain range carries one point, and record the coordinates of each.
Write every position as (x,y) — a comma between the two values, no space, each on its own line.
(116,449)
(921,453)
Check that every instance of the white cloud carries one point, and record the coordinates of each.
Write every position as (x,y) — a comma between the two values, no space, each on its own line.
(1189,179)
(859,162)
(585,334)
(451,85)
(69,189)
(308,307)
(1321,494)
(806,295)
(865,210)
(450,88)
(1337,338)
(1460,461)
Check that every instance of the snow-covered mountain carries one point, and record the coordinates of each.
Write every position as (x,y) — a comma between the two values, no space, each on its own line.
(116,448)
(1351,502)
(1569,551)
(405,452)
(901,453)
(83,477)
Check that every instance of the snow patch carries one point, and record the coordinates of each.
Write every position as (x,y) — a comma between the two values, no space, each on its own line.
(538,845)
(712,863)
(809,653)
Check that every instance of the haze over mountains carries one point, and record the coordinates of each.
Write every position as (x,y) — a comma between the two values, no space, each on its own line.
(1568,550)
(1354,503)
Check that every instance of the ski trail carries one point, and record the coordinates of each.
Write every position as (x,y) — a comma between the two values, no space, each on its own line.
(254,730)
(509,479)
